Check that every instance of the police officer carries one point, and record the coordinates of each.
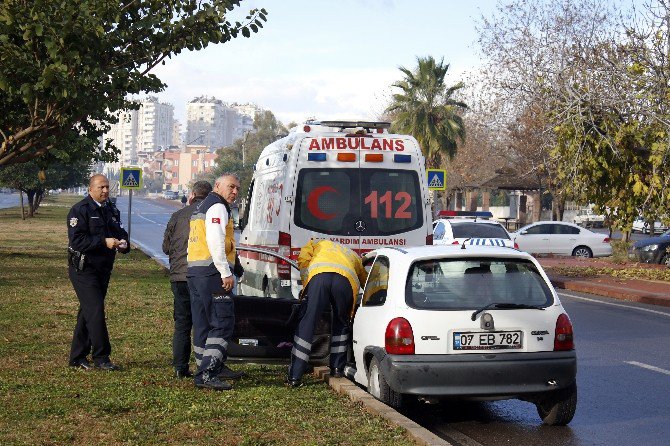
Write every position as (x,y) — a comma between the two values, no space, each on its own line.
(331,275)
(95,234)
(211,256)
(175,242)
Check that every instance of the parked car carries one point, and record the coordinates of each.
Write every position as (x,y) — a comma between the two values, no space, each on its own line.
(480,322)
(588,219)
(640,225)
(561,238)
(456,230)
(652,249)
(171,194)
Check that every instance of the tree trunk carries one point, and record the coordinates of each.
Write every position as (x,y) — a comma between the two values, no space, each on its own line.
(31,196)
(23,211)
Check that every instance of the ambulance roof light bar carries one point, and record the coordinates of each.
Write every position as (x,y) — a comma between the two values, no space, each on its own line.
(367,125)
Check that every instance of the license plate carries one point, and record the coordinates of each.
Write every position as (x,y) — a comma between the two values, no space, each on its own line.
(495,340)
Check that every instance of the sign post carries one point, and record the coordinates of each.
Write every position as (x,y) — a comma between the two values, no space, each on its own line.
(437,180)
(131,178)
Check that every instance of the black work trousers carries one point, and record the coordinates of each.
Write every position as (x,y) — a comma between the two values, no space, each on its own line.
(90,332)
(322,290)
(183,323)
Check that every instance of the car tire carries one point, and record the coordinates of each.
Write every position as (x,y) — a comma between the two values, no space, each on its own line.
(379,388)
(559,408)
(582,251)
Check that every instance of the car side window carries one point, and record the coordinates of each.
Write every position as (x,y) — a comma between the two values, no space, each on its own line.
(377,284)
(438,233)
(565,230)
(535,230)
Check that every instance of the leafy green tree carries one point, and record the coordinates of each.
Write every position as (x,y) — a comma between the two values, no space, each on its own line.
(68,66)
(426,109)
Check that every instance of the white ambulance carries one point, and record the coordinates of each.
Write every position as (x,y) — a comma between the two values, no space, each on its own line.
(348,181)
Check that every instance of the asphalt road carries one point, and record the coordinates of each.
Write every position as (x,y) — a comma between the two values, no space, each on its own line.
(623,370)
(9,200)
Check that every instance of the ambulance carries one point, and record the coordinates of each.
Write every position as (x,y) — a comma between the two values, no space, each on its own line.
(351,182)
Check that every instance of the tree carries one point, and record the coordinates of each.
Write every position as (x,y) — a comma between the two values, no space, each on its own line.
(67,67)
(426,109)
(33,180)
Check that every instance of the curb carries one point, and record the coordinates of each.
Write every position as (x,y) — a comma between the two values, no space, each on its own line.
(372,405)
(612,291)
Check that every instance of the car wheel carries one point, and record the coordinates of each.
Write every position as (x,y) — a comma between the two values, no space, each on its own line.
(582,251)
(559,408)
(379,388)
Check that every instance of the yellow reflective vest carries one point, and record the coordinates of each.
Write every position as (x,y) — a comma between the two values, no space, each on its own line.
(330,257)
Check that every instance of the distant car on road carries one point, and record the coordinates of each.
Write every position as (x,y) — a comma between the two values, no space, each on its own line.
(561,238)
(588,219)
(171,194)
(458,226)
(640,225)
(652,250)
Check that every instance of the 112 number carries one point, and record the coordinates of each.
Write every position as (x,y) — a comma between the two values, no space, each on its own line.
(376,201)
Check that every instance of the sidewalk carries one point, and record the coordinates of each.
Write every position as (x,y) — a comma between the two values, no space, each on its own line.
(633,290)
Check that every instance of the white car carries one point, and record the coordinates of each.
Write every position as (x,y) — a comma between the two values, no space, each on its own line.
(587,218)
(561,238)
(640,225)
(471,322)
(455,231)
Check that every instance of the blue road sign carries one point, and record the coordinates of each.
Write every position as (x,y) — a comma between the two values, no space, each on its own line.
(437,179)
(131,178)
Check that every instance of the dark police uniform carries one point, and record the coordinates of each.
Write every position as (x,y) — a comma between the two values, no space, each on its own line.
(88,225)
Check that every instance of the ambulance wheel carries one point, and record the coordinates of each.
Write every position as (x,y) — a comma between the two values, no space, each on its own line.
(379,388)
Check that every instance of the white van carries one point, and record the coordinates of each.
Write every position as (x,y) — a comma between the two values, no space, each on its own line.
(350,182)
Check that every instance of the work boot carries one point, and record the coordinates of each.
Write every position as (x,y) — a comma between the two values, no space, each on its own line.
(183,373)
(228,373)
(336,373)
(213,383)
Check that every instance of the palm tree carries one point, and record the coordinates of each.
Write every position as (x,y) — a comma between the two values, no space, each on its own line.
(426,110)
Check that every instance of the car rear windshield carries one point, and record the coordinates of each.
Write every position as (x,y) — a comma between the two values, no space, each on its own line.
(458,284)
(479,230)
(332,201)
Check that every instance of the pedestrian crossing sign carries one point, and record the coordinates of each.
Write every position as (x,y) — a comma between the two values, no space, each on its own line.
(437,179)
(131,178)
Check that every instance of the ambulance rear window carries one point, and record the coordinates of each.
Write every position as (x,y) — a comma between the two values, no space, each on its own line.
(332,201)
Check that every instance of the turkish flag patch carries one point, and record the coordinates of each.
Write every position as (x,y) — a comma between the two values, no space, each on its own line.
(216,220)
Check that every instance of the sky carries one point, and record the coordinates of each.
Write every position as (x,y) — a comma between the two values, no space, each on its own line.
(327,59)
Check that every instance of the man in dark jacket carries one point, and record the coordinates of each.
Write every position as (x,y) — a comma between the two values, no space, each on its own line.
(175,242)
(95,234)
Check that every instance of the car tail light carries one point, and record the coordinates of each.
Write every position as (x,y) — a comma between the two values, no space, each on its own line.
(399,337)
(429,239)
(516,245)
(306,129)
(455,242)
(283,268)
(606,240)
(563,339)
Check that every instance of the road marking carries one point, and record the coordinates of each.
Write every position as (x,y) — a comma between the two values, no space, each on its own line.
(649,367)
(148,219)
(614,304)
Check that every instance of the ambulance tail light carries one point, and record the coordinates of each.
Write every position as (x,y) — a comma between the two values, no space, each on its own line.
(429,239)
(564,337)
(399,337)
(284,249)
(306,129)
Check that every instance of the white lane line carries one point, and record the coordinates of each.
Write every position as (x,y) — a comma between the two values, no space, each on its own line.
(614,304)
(148,219)
(649,367)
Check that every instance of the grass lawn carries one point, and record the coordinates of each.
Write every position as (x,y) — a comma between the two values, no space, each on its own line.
(42,401)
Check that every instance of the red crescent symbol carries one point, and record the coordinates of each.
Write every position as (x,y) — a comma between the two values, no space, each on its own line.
(313,202)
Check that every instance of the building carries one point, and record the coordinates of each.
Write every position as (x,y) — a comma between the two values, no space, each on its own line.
(206,122)
(140,132)
(177,169)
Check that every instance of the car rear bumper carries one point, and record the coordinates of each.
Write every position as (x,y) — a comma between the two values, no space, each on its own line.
(485,375)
